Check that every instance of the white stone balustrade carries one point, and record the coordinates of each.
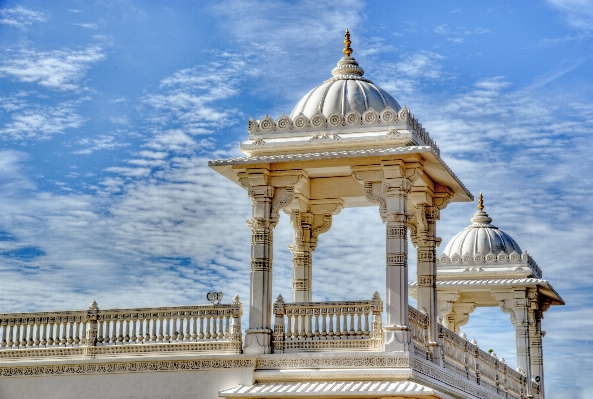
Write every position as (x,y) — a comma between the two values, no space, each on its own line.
(466,358)
(211,328)
(328,326)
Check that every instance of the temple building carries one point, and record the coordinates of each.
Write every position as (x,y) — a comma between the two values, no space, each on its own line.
(346,144)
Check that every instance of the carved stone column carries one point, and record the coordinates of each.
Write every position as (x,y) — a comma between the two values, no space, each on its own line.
(396,186)
(517,304)
(426,240)
(307,227)
(258,336)
(536,314)
(301,256)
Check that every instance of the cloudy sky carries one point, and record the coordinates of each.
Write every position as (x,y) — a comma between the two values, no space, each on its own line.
(110,110)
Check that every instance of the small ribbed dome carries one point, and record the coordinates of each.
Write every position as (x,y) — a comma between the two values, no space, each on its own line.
(481,237)
(347,91)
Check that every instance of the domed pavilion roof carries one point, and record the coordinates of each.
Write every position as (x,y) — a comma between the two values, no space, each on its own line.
(347,111)
(482,246)
(347,91)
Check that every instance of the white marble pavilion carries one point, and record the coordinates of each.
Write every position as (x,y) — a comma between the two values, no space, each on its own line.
(347,143)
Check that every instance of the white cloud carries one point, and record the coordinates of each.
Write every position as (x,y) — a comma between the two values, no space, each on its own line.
(87,25)
(57,70)
(579,13)
(441,29)
(102,142)
(28,121)
(186,97)
(21,17)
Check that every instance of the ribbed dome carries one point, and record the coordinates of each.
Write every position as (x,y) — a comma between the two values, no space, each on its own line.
(347,91)
(481,237)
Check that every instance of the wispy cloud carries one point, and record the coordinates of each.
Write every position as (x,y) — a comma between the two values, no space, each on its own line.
(57,70)
(402,78)
(21,17)
(30,121)
(87,25)
(100,143)
(186,97)
(579,13)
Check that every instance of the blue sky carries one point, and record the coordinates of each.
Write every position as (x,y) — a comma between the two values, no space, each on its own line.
(109,112)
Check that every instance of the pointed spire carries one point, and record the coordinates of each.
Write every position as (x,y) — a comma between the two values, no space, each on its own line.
(347,42)
(347,67)
(480,216)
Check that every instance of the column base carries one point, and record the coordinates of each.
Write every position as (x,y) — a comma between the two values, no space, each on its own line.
(258,341)
(396,339)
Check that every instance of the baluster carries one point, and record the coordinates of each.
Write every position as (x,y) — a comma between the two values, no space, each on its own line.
(126,322)
(194,334)
(208,335)
(201,334)
(352,331)
(174,330)
(359,323)
(50,340)
(120,335)
(227,331)
(345,319)
(302,322)
(324,323)
(337,332)
(220,330)
(140,328)
(133,337)
(37,332)
(100,338)
(23,332)
(288,332)
(330,324)
(17,334)
(70,325)
(161,320)
(153,336)
(76,332)
(56,332)
(64,333)
(366,322)
(29,335)
(178,327)
(182,326)
(10,341)
(4,328)
(83,331)
(107,329)
(294,319)
(188,322)
(214,320)
(316,333)
(114,329)
(44,333)
(309,317)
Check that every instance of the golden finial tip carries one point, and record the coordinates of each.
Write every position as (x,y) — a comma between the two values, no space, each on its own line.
(481,202)
(347,42)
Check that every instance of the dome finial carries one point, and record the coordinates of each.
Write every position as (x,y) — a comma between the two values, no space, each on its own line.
(347,42)
(480,202)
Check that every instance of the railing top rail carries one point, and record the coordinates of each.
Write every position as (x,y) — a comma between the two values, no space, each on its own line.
(416,315)
(50,313)
(160,309)
(327,304)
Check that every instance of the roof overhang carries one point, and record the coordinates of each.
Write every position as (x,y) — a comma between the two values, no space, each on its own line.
(433,165)
(333,389)
(474,288)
